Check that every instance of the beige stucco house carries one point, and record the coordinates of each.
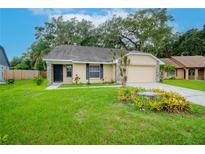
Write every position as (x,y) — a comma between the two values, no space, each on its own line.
(187,67)
(99,65)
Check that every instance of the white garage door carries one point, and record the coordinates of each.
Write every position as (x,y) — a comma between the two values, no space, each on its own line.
(141,74)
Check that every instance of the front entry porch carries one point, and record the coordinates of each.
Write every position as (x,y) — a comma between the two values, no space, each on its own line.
(194,74)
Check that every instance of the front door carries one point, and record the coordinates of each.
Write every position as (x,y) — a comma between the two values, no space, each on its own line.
(58,73)
(191,74)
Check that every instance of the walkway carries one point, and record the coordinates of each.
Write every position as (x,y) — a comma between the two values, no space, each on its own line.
(56,87)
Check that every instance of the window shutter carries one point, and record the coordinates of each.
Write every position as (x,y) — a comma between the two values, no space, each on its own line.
(101,71)
(87,71)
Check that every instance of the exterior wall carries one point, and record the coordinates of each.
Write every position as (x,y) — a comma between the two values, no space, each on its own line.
(204,73)
(65,78)
(2,70)
(50,73)
(201,74)
(108,73)
(180,73)
(144,60)
(80,70)
(165,75)
(114,67)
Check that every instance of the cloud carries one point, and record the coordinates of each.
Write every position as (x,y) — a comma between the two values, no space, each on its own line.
(96,17)
(48,12)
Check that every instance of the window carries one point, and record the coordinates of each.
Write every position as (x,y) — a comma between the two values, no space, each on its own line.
(171,73)
(69,70)
(94,71)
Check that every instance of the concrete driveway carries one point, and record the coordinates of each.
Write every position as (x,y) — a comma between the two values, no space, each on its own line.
(194,96)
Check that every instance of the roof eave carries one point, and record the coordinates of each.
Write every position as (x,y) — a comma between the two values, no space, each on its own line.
(148,54)
(73,61)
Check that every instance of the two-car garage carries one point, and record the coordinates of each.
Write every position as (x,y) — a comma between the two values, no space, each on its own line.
(142,69)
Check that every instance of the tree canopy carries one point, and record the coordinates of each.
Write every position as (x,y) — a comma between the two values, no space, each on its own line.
(146,30)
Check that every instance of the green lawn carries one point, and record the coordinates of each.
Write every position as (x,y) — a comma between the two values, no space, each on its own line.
(31,115)
(86,85)
(192,84)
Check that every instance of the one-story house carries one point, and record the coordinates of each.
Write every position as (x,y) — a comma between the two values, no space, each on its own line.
(99,65)
(4,63)
(187,67)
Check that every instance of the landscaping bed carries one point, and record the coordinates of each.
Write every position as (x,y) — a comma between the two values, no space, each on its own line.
(154,100)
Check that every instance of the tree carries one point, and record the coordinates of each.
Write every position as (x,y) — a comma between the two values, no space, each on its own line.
(166,68)
(37,50)
(147,30)
(191,43)
(15,61)
(124,61)
(110,34)
(24,64)
(70,32)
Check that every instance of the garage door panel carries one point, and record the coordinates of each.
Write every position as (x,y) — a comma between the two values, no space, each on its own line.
(141,74)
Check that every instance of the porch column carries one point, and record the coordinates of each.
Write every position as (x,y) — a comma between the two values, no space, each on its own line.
(49,73)
(204,74)
(187,74)
(196,74)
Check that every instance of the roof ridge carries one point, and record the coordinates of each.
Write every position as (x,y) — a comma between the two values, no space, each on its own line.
(88,47)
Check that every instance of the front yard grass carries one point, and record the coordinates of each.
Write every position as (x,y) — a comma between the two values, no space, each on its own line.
(32,115)
(192,84)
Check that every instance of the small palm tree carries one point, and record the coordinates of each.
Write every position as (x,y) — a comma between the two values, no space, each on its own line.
(38,50)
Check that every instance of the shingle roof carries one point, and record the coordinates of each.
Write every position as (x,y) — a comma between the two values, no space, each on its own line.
(186,61)
(82,53)
(172,62)
(190,61)
(3,58)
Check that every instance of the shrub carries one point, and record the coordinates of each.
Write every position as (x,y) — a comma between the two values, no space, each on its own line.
(76,79)
(4,139)
(124,94)
(165,101)
(38,80)
(173,102)
(128,94)
(10,81)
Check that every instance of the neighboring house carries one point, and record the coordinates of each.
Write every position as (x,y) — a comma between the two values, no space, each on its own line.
(4,63)
(187,67)
(97,65)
